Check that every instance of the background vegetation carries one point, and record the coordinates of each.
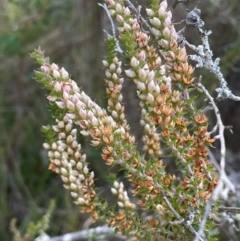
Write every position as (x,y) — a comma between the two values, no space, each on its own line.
(71,33)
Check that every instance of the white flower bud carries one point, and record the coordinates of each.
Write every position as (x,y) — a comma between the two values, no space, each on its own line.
(151,86)
(166,32)
(62,135)
(114,191)
(74,194)
(60,104)
(119,8)
(64,171)
(150,98)
(126,27)
(81,177)
(156,32)
(81,200)
(64,179)
(68,127)
(70,139)
(150,12)
(120,18)
(46,146)
(116,184)
(72,179)
(85,170)
(77,154)
(74,144)
(50,154)
(155,22)
(151,75)
(60,124)
(134,62)
(167,22)
(105,63)
(141,86)
(79,166)
(120,204)
(54,67)
(56,74)
(142,74)
(164,5)
(45,69)
(70,105)
(126,11)
(112,67)
(85,133)
(51,98)
(57,154)
(64,73)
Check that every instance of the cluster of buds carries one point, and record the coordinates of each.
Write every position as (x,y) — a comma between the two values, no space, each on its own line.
(66,160)
(122,196)
(167,116)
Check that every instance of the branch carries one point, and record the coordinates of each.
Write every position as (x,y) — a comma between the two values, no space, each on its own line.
(84,234)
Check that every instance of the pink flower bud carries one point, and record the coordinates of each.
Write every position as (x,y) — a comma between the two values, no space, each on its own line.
(60,104)
(167,22)
(150,98)
(111,2)
(66,96)
(120,18)
(161,12)
(164,5)
(70,105)
(108,74)
(142,55)
(45,69)
(57,87)
(119,8)
(126,11)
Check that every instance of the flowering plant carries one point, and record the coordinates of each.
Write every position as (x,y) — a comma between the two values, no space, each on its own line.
(157,62)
